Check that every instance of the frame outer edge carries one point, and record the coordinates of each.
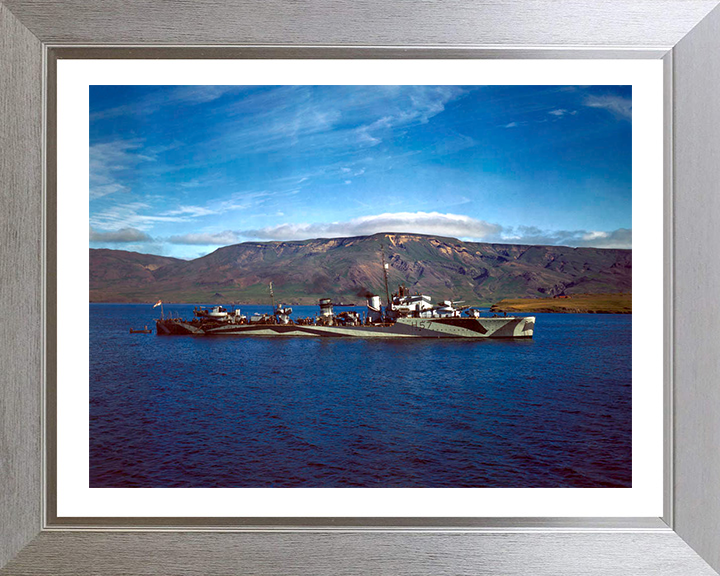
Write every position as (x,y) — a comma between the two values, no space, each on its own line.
(696,110)
(20,284)
(655,23)
(328,554)
(20,237)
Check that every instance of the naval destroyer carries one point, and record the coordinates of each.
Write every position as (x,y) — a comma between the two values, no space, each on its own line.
(406,316)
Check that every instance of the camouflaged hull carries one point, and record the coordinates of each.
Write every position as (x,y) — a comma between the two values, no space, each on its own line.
(505,327)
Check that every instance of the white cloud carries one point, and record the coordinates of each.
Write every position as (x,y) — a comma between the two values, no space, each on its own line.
(561,113)
(425,102)
(114,163)
(619,106)
(236,201)
(453,143)
(154,101)
(107,163)
(129,216)
(192,211)
(123,235)
(594,235)
(207,239)
(194,183)
(620,238)
(350,172)
(433,223)
(511,125)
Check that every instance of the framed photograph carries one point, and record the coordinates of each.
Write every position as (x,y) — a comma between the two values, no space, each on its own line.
(360,302)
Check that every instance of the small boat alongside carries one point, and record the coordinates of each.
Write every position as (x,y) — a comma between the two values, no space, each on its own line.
(145,330)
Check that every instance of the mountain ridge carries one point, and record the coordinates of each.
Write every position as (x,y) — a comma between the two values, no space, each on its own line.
(347,268)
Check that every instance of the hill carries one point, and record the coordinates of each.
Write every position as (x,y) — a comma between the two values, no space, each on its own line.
(348,268)
(120,273)
(576,303)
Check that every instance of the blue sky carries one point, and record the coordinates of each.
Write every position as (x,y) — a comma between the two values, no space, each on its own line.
(182,170)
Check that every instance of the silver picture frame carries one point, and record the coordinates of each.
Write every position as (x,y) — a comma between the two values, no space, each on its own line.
(685,34)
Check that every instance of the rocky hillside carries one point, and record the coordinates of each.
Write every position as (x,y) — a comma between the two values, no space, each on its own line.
(117,273)
(347,268)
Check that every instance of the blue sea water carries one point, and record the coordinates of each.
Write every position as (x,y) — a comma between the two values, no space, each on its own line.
(554,411)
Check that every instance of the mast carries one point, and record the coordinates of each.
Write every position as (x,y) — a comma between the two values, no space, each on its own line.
(272,297)
(385,274)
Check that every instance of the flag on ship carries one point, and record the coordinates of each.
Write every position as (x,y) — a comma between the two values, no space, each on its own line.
(158,303)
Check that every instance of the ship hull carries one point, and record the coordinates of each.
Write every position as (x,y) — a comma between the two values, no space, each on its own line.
(404,328)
